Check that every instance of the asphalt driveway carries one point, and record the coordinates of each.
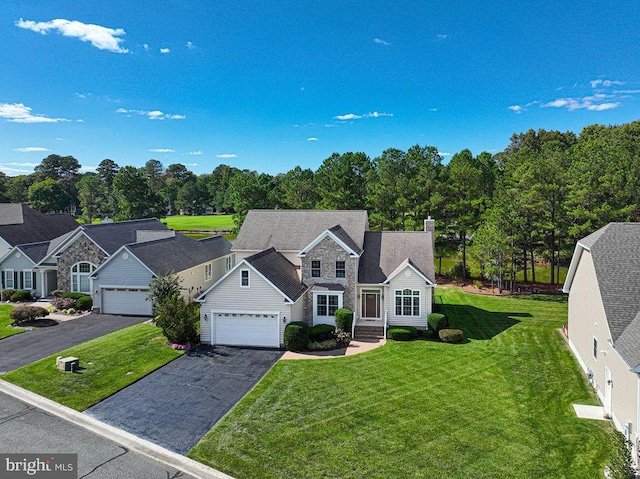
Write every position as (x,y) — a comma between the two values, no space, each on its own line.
(177,404)
(22,349)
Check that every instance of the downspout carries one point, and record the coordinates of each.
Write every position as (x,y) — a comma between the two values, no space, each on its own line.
(636,442)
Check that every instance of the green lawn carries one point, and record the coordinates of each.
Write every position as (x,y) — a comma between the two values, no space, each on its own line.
(498,406)
(5,322)
(199,223)
(108,364)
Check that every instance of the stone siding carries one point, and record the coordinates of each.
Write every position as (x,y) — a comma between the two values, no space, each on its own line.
(82,249)
(328,252)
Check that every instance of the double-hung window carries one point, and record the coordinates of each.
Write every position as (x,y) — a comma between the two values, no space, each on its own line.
(27,279)
(208,272)
(244,278)
(8,279)
(341,269)
(80,281)
(228,263)
(407,302)
(316,272)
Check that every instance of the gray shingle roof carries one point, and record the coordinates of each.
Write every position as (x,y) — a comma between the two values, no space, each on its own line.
(615,250)
(111,236)
(292,230)
(179,253)
(342,235)
(20,224)
(384,251)
(277,269)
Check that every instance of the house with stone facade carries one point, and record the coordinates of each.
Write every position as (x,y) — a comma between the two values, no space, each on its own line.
(302,265)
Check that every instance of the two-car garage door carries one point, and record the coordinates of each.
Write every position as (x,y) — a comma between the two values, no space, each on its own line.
(127,301)
(246,329)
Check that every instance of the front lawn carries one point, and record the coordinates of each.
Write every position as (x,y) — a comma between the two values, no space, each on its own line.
(199,223)
(108,364)
(498,406)
(5,322)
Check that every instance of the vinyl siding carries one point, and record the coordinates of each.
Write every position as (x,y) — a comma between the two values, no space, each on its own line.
(414,282)
(228,295)
(193,282)
(587,320)
(19,265)
(121,272)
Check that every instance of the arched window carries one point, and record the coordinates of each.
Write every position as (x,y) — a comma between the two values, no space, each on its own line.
(80,277)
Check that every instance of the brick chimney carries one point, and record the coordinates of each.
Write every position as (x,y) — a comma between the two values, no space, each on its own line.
(430,226)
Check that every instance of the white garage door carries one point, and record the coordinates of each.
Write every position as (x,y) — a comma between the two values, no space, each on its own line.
(128,301)
(243,329)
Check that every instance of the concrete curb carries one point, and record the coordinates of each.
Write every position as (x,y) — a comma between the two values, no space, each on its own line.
(124,438)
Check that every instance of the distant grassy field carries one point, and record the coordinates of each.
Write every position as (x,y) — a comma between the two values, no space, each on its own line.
(199,223)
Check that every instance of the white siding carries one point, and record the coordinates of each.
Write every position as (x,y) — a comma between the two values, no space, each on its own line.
(193,282)
(413,282)
(229,296)
(120,272)
(587,320)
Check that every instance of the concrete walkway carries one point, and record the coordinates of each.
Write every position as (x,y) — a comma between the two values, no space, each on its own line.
(356,347)
(590,412)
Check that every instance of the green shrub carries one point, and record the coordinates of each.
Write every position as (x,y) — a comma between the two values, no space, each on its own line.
(477,283)
(343,337)
(7,293)
(456,271)
(437,321)
(178,319)
(321,332)
(296,336)
(20,296)
(84,303)
(27,313)
(57,293)
(451,335)
(620,463)
(326,345)
(74,295)
(426,333)
(402,333)
(344,319)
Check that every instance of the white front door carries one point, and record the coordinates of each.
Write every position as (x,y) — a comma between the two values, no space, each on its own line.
(608,386)
(325,305)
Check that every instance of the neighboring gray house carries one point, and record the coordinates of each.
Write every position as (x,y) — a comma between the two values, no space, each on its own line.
(300,265)
(603,283)
(121,283)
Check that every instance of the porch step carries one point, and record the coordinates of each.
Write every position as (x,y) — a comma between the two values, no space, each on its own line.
(368,333)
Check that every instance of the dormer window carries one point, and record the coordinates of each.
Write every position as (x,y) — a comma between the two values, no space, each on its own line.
(316,272)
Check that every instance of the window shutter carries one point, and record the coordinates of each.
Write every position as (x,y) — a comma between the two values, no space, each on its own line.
(2,274)
(15,280)
(33,280)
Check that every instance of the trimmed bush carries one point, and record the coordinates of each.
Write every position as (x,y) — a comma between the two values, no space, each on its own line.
(327,345)
(438,321)
(7,293)
(20,296)
(343,337)
(321,332)
(344,319)
(426,333)
(296,336)
(74,295)
(451,335)
(63,304)
(402,333)
(85,303)
(27,313)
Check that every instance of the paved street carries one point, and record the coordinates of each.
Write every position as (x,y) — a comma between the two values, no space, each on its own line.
(177,404)
(27,429)
(30,346)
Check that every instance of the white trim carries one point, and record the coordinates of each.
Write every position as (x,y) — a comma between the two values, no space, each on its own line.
(407,263)
(79,274)
(25,273)
(17,249)
(319,318)
(13,279)
(323,235)
(573,266)
(396,315)
(208,276)
(67,242)
(242,271)
(243,312)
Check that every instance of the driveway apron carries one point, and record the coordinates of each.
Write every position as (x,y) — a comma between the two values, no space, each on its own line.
(25,348)
(177,404)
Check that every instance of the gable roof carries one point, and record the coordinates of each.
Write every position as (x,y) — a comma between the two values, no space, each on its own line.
(111,236)
(339,236)
(279,271)
(20,224)
(615,251)
(292,230)
(385,251)
(179,253)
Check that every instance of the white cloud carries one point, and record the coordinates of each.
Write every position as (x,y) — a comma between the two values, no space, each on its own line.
(520,108)
(27,164)
(100,37)
(162,150)
(152,115)
(353,116)
(312,138)
(83,95)
(191,164)
(444,153)
(164,50)
(605,83)
(591,103)
(19,113)
(85,169)
(442,36)
(31,149)
(227,155)
(195,153)
(190,45)
(145,46)
(380,41)
(14,171)
(433,109)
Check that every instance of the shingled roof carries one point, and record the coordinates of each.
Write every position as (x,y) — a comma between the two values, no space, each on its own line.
(179,252)
(292,230)
(279,271)
(20,224)
(111,236)
(615,250)
(37,251)
(384,251)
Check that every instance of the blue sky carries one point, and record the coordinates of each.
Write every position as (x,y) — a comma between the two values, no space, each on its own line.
(271,85)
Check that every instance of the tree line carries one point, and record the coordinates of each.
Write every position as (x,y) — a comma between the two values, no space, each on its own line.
(507,211)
